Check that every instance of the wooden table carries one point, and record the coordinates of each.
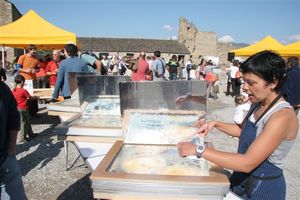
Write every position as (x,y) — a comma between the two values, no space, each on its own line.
(43,93)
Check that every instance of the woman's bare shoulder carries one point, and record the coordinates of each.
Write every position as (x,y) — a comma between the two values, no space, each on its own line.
(284,120)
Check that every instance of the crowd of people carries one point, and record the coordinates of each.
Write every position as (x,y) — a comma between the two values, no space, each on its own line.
(43,70)
(265,119)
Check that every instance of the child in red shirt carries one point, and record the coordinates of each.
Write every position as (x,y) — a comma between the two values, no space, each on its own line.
(21,95)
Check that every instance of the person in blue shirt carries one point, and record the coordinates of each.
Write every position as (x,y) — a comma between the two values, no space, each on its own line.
(158,67)
(291,87)
(93,63)
(72,63)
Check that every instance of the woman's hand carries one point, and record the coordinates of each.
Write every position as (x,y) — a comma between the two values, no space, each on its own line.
(205,128)
(200,122)
(182,99)
(186,149)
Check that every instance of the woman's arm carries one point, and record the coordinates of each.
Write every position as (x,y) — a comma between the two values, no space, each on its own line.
(280,126)
(228,128)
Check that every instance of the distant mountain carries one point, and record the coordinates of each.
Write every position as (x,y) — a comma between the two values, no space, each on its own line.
(239,44)
(234,44)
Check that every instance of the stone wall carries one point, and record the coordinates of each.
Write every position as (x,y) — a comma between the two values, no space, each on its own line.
(8,14)
(206,44)
(199,43)
(187,34)
(5,12)
(222,52)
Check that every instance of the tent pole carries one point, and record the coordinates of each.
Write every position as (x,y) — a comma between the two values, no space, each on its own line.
(3,57)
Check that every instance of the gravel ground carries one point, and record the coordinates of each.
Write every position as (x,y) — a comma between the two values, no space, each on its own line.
(42,159)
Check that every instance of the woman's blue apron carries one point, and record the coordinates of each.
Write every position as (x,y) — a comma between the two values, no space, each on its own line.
(264,182)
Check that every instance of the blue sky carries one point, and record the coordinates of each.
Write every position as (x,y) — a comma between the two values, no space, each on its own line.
(244,21)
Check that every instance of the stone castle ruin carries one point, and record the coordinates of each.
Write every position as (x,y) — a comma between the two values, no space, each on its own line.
(197,42)
(202,43)
(8,14)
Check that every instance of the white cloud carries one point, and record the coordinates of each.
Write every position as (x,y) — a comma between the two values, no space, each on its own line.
(294,38)
(254,41)
(284,42)
(226,39)
(174,37)
(168,27)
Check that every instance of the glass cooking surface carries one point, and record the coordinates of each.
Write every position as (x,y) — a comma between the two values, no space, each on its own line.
(103,106)
(160,128)
(159,160)
(113,121)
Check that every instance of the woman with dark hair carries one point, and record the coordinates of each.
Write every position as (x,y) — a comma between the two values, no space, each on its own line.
(266,135)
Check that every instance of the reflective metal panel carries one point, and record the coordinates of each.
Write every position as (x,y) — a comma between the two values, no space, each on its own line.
(162,95)
(72,78)
(90,86)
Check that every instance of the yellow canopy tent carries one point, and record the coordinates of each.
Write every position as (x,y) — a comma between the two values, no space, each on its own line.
(33,29)
(291,49)
(268,43)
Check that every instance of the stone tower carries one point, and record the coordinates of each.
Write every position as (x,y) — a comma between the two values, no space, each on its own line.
(8,14)
(197,42)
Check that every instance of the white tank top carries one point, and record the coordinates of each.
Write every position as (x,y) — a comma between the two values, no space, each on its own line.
(277,157)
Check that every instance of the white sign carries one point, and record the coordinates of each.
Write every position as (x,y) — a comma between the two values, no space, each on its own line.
(28,85)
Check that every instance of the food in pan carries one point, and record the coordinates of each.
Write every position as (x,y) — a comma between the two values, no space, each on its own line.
(144,165)
(184,170)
